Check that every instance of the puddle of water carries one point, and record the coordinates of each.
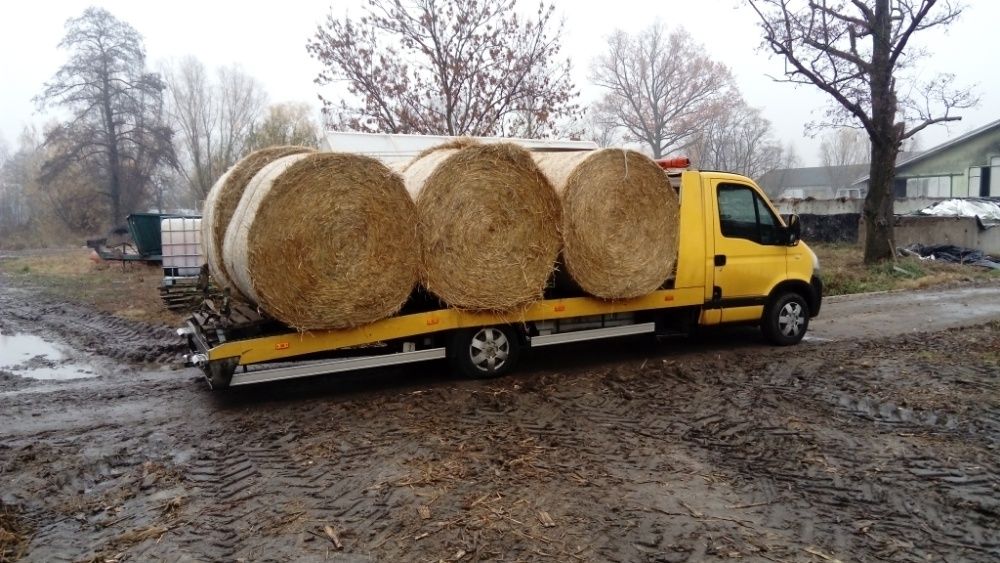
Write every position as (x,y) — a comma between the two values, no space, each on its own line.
(28,355)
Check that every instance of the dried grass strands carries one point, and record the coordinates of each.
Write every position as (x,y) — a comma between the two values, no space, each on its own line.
(489,224)
(221,202)
(324,241)
(619,220)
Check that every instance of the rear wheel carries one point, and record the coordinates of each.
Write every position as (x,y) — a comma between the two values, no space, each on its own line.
(786,319)
(484,352)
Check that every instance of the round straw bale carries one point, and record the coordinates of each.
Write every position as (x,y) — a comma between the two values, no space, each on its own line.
(489,224)
(324,240)
(211,248)
(620,220)
(222,200)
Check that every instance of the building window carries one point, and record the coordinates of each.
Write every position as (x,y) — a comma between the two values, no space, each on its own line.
(994,177)
(975,181)
(929,186)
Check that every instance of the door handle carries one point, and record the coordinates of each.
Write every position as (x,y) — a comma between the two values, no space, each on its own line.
(720,259)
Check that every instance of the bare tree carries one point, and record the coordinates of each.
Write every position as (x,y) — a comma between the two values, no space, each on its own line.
(855,51)
(37,211)
(115,124)
(838,150)
(737,139)
(451,67)
(844,146)
(791,157)
(193,110)
(215,119)
(659,86)
(73,197)
(286,124)
(13,208)
(241,102)
(601,128)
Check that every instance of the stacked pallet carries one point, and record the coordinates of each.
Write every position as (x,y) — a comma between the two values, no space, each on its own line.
(334,240)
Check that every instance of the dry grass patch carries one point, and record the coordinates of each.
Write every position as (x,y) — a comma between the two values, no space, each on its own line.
(844,272)
(129,291)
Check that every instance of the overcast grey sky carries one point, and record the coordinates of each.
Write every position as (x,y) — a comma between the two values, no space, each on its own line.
(268,40)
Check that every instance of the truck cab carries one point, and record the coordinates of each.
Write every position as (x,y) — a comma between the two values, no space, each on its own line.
(753,267)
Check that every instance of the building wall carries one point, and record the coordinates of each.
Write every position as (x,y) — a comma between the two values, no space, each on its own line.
(841,206)
(956,161)
(959,231)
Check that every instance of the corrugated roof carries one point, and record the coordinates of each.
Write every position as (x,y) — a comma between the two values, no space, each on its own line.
(815,176)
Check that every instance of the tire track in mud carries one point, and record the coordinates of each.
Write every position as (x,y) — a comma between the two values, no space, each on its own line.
(87,330)
(842,449)
(873,469)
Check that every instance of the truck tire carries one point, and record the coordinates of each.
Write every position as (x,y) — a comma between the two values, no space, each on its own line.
(484,352)
(786,319)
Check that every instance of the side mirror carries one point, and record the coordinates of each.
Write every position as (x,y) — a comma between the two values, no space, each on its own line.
(793,230)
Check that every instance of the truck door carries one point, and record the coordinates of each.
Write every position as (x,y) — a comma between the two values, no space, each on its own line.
(750,255)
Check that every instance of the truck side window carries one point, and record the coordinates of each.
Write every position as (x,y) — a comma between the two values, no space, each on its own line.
(742,214)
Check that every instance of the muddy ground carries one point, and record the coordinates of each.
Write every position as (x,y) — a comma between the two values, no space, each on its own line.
(883,447)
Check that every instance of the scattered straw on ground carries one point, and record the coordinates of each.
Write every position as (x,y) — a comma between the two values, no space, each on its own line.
(14,534)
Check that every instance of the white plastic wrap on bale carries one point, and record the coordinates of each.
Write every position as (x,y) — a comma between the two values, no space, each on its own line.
(182,246)
(213,255)
(236,250)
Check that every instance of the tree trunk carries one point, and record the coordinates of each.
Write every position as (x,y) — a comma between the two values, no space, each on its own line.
(114,159)
(878,210)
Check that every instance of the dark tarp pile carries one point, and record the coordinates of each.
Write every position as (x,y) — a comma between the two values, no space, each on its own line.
(952,253)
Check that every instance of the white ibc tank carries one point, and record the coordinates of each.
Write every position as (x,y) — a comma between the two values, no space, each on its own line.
(182,251)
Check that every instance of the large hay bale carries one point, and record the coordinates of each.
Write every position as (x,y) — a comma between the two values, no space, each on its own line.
(619,220)
(489,224)
(221,202)
(324,240)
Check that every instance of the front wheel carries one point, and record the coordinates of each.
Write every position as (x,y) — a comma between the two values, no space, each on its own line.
(786,319)
(485,352)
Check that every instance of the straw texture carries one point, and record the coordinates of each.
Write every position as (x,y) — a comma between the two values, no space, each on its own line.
(619,220)
(324,241)
(221,202)
(489,224)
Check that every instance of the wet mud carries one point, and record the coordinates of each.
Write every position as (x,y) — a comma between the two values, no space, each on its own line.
(881,448)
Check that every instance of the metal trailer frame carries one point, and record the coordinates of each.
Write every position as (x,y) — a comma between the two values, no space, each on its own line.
(255,360)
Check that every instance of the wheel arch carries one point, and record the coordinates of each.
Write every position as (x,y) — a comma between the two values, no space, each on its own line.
(803,288)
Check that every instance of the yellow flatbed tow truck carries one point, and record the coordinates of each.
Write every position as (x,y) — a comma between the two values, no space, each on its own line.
(737,263)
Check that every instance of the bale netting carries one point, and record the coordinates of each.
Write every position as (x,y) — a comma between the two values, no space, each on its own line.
(221,202)
(324,241)
(619,220)
(489,224)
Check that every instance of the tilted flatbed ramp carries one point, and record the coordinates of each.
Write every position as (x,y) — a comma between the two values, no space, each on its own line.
(287,346)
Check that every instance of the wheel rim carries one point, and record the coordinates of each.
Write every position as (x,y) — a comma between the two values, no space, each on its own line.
(791,319)
(489,349)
